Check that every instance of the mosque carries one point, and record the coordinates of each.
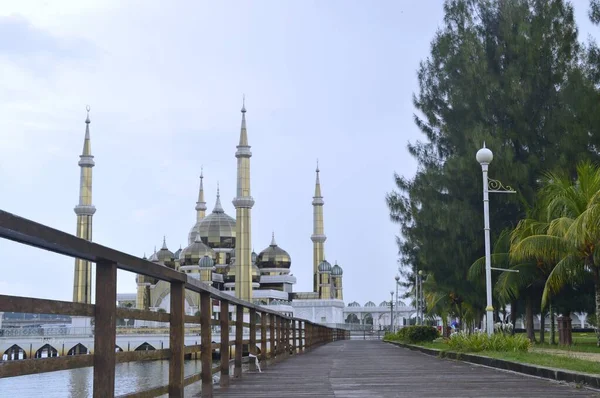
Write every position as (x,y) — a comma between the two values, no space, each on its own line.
(218,253)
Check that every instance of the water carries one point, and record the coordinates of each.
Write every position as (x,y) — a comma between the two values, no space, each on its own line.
(77,383)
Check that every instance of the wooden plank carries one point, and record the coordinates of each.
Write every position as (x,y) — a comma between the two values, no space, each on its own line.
(150,355)
(28,232)
(192,319)
(294,342)
(42,365)
(105,335)
(30,305)
(190,349)
(224,349)
(239,336)
(301,326)
(371,368)
(252,341)
(206,337)
(144,315)
(150,393)
(176,339)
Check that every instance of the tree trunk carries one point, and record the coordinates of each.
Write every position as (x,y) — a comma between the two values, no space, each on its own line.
(597,286)
(529,317)
(552,326)
(542,327)
(513,316)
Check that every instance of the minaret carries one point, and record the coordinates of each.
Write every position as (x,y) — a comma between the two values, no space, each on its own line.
(201,203)
(82,282)
(243,203)
(318,237)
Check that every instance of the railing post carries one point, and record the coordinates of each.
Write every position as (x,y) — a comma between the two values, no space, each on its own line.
(239,340)
(105,333)
(286,337)
(224,323)
(301,335)
(252,342)
(206,344)
(176,339)
(263,338)
(294,343)
(272,336)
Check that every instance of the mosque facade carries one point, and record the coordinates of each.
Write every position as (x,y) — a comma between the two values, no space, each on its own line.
(218,253)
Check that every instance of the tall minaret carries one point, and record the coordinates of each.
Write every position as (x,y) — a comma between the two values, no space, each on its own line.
(82,283)
(318,237)
(201,203)
(243,203)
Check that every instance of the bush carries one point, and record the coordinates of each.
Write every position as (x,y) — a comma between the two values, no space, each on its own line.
(476,342)
(414,334)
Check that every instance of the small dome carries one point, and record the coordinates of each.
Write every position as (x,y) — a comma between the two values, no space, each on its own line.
(192,254)
(354,304)
(206,262)
(337,270)
(193,232)
(369,304)
(273,257)
(154,256)
(384,304)
(177,253)
(217,230)
(165,255)
(324,266)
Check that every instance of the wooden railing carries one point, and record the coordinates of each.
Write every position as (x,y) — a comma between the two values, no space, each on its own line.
(280,336)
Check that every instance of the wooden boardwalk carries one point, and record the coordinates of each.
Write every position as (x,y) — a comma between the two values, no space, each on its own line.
(365,369)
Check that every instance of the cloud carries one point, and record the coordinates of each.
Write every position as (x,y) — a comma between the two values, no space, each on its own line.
(21,38)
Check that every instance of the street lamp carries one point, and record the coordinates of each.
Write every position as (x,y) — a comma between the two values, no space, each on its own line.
(392,311)
(484,156)
(397,283)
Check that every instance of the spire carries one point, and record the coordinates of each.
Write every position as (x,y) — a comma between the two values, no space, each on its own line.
(164,246)
(243,133)
(87,145)
(318,183)
(201,203)
(218,207)
(273,243)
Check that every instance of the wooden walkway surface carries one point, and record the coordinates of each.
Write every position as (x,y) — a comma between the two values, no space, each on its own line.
(365,369)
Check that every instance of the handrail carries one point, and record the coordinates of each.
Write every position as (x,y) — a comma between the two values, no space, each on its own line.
(286,335)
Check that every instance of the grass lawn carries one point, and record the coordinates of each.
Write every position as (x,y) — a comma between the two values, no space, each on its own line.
(534,358)
(582,342)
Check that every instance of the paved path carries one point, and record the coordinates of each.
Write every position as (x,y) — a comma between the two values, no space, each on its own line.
(365,369)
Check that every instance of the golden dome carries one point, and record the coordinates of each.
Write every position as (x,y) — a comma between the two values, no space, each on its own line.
(273,257)
(192,254)
(217,230)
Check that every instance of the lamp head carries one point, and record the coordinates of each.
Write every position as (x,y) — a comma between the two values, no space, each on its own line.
(421,273)
(484,155)
(397,278)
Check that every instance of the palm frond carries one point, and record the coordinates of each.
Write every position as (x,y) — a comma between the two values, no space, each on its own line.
(569,269)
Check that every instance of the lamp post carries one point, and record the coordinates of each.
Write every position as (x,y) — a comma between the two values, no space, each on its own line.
(392,311)
(417,296)
(397,278)
(422,296)
(484,156)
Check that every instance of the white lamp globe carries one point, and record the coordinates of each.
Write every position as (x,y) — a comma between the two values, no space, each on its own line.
(484,155)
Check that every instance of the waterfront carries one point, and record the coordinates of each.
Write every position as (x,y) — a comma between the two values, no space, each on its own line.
(77,383)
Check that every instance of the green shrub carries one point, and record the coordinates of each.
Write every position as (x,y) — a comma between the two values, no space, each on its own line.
(414,334)
(477,342)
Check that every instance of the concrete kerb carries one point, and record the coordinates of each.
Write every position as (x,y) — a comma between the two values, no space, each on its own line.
(589,380)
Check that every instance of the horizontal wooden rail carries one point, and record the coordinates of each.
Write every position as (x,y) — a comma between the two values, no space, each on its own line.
(42,306)
(42,365)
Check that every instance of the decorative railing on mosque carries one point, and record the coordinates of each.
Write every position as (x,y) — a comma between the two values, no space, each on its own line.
(280,336)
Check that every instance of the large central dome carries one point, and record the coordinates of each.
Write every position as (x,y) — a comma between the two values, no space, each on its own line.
(217,230)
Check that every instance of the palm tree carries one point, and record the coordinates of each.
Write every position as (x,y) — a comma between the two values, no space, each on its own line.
(572,241)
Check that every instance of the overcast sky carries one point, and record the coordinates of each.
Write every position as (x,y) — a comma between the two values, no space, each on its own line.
(331,80)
